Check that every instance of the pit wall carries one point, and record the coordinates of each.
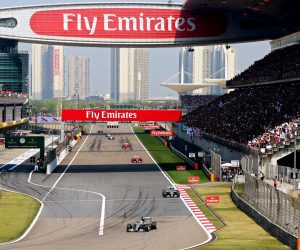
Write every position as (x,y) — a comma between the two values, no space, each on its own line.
(226,149)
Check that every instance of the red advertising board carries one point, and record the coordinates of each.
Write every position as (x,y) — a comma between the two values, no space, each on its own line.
(180,168)
(121,115)
(212,199)
(193,179)
(149,127)
(127,23)
(161,133)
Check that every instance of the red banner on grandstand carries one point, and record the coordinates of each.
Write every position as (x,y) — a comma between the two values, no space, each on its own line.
(121,115)
(181,168)
(161,133)
(212,199)
(149,127)
(193,179)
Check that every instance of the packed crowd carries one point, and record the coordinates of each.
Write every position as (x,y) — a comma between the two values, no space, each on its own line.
(12,94)
(278,65)
(245,113)
(192,102)
(280,134)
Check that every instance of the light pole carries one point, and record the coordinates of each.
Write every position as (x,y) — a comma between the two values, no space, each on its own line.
(295,162)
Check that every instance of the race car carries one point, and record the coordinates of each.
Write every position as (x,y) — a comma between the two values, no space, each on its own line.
(170,192)
(136,159)
(145,224)
(110,137)
(125,145)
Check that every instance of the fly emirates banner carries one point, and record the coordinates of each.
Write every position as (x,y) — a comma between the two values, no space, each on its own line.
(121,115)
(127,23)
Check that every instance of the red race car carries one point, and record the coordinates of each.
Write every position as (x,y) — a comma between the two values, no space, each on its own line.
(126,145)
(136,159)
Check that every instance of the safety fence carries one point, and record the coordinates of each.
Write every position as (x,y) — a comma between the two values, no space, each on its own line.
(280,208)
(215,165)
(250,164)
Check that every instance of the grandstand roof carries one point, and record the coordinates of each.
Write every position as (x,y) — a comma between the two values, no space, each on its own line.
(283,14)
(185,88)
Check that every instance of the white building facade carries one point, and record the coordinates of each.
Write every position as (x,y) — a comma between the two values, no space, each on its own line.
(47,71)
(78,77)
(129,74)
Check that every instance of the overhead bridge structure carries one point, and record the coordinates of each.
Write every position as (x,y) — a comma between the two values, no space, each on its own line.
(197,22)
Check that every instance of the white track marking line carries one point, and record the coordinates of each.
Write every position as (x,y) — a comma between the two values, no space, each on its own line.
(173,183)
(102,217)
(63,173)
(101,227)
(107,200)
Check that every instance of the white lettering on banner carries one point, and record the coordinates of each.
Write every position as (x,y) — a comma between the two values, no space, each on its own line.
(110,115)
(112,22)
(90,26)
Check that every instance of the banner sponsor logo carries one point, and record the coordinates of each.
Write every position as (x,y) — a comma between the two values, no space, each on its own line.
(193,179)
(181,168)
(161,133)
(121,115)
(149,127)
(127,23)
(212,199)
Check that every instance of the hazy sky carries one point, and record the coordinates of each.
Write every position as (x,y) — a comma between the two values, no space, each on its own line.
(163,62)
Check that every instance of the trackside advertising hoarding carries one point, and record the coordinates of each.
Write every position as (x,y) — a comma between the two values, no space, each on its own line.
(121,115)
(161,133)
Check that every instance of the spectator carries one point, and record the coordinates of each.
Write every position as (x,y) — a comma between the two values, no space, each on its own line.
(278,65)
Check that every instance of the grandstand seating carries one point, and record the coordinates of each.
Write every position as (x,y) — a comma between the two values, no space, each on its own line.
(280,64)
(192,102)
(246,113)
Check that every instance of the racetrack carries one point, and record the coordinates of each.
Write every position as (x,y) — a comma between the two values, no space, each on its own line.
(73,216)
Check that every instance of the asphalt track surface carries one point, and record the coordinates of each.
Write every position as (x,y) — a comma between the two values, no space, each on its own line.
(73,208)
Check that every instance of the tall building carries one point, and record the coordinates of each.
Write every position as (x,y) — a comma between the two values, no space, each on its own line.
(13,68)
(47,71)
(58,71)
(141,83)
(208,62)
(79,77)
(129,74)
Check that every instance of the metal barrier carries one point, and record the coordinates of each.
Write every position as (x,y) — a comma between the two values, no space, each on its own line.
(215,165)
(280,208)
(288,238)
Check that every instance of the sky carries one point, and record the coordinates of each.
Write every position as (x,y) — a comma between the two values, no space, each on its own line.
(163,62)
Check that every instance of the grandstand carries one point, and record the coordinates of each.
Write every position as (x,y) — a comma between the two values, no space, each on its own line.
(247,112)
(281,65)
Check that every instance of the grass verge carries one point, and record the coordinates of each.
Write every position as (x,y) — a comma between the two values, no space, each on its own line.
(17,211)
(167,160)
(203,207)
(240,232)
